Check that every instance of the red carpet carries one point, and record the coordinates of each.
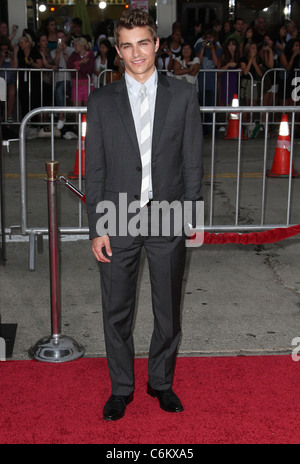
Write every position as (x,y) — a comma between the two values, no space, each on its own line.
(227,400)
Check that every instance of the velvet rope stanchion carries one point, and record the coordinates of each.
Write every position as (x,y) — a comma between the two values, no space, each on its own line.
(248,238)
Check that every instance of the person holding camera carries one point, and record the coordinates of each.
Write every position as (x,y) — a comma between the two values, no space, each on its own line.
(8,59)
(164,58)
(62,80)
(209,53)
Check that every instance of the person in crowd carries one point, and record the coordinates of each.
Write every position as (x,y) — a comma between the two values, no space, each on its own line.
(238,34)
(105,59)
(209,53)
(75,31)
(4,31)
(216,26)
(51,32)
(292,30)
(290,62)
(9,59)
(62,79)
(248,40)
(281,40)
(259,30)
(250,89)
(164,58)
(47,78)
(29,58)
(269,61)
(28,31)
(176,41)
(83,60)
(187,66)
(253,66)
(230,60)
(47,63)
(113,154)
(226,31)
(196,33)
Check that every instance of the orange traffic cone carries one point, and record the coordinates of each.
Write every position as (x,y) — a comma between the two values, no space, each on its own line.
(75,173)
(234,123)
(281,162)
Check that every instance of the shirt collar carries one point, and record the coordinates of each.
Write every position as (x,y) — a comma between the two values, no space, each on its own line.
(134,86)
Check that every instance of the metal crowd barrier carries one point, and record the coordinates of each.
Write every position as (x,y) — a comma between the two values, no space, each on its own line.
(273,73)
(26,230)
(17,71)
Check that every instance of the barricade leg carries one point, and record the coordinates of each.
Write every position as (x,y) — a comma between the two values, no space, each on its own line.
(57,347)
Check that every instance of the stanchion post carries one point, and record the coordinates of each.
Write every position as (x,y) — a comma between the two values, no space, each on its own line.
(56,347)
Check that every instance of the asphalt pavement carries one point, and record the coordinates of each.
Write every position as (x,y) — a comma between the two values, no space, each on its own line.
(237,299)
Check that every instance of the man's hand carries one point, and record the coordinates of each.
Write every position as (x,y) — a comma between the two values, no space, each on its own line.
(98,244)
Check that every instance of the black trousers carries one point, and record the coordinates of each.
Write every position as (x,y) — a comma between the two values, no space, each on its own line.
(166,261)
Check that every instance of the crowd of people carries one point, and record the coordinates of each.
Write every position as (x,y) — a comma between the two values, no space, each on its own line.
(220,60)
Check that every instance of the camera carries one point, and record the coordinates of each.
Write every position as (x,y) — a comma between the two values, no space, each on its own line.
(59,41)
(165,50)
(208,44)
(265,43)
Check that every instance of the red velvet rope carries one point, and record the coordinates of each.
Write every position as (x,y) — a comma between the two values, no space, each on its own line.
(268,236)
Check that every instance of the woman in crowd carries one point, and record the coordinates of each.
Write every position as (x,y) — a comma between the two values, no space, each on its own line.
(230,60)
(269,61)
(164,59)
(176,41)
(281,40)
(251,93)
(60,58)
(104,60)
(187,66)
(29,58)
(248,40)
(83,60)
(47,63)
(51,33)
(8,59)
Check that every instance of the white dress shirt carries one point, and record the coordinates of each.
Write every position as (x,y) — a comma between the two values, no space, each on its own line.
(134,88)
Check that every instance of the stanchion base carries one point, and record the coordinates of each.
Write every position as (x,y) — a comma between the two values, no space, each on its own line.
(56,349)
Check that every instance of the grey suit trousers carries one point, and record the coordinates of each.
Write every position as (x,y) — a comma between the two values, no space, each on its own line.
(166,261)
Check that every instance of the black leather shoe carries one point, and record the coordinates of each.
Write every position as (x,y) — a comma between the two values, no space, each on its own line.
(168,401)
(115,407)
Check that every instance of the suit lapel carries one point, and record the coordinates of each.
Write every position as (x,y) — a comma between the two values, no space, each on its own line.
(123,104)
(163,98)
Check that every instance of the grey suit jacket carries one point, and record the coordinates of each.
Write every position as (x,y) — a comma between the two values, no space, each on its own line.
(112,156)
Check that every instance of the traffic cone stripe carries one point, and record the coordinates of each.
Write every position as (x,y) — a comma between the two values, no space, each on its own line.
(284,144)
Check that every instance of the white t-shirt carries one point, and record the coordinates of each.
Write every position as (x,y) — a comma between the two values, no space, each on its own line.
(61,76)
(187,77)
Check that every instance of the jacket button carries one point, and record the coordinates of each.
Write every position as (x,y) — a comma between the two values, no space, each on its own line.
(137,197)
(138,168)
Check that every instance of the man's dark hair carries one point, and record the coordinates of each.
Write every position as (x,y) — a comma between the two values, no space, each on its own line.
(135,18)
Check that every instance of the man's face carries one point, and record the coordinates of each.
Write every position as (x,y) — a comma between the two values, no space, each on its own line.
(239,26)
(137,49)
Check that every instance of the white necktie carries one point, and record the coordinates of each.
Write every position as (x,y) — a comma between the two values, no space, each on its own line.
(145,146)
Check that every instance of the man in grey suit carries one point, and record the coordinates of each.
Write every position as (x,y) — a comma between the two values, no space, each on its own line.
(116,168)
